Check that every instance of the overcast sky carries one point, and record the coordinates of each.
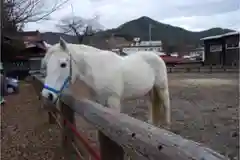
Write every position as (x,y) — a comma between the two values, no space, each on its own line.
(193,15)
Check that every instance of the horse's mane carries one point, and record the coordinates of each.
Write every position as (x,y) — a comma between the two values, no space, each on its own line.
(56,49)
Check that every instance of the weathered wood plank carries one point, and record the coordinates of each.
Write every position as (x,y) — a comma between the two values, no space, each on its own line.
(139,138)
(51,118)
(37,83)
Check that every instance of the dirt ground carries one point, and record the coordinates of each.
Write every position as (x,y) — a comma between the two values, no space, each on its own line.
(204,109)
(25,131)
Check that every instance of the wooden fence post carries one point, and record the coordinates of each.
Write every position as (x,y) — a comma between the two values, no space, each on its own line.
(38,87)
(51,119)
(109,150)
(67,133)
(224,68)
(51,113)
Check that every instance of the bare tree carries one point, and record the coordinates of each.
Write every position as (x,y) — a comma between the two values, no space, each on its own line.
(79,26)
(19,12)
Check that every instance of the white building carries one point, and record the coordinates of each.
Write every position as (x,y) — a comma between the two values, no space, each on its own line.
(144,46)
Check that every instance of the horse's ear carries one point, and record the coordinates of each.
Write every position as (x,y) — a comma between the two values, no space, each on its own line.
(63,44)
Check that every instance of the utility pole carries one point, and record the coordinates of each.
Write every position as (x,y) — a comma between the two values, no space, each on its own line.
(150,32)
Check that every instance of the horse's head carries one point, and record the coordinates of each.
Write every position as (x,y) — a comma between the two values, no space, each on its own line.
(58,71)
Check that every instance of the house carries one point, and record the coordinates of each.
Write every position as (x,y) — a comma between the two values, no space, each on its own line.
(144,46)
(131,47)
(222,49)
(34,44)
(19,63)
(35,49)
(27,44)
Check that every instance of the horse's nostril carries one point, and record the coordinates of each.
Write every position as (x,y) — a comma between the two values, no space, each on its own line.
(50,96)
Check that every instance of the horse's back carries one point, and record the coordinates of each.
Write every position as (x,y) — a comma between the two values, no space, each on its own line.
(158,65)
(141,71)
(104,69)
(138,76)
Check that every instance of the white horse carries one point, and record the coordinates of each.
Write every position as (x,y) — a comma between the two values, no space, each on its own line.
(110,76)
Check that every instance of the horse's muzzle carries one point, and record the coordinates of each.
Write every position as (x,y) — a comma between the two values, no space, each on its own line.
(50,96)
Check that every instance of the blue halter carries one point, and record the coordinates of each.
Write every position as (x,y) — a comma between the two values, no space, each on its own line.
(65,84)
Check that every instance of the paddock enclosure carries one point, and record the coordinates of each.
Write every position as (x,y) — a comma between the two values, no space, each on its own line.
(204,109)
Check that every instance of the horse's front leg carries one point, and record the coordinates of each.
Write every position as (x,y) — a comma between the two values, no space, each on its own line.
(113,102)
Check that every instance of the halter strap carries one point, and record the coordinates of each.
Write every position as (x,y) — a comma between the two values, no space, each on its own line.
(65,84)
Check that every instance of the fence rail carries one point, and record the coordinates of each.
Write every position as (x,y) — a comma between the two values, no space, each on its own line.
(203,69)
(120,134)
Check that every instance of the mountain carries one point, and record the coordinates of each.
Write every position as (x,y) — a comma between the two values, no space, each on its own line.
(171,35)
(160,31)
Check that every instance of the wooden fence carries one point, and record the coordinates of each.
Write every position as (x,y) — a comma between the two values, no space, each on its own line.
(119,134)
(202,69)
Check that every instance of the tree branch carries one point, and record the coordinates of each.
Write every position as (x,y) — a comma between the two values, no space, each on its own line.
(79,26)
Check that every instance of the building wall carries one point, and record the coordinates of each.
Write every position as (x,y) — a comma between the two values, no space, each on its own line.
(214,50)
(227,55)
(232,56)
(232,50)
(35,64)
(21,65)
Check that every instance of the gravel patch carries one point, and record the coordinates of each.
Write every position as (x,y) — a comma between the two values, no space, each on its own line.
(25,132)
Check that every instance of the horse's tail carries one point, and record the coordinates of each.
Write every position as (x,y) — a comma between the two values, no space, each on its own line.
(159,93)
(160,109)
(155,112)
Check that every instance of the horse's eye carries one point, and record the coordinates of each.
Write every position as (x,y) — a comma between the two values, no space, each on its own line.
(63,65)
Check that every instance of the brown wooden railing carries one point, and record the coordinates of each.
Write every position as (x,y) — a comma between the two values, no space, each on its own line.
(118,133)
